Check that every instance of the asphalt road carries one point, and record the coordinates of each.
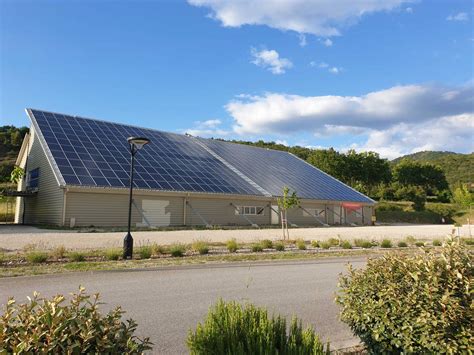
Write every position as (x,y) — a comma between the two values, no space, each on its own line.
(167,302)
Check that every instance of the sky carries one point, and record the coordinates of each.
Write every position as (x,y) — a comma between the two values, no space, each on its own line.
(391,76)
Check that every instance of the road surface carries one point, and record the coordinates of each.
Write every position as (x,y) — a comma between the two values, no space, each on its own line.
(167,302)
(15,237)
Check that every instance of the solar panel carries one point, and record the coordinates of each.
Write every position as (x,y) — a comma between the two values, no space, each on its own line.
(95,153)
(272,170)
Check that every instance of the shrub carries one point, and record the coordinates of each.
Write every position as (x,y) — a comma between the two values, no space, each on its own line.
(437,243)
(419,244)
(402,244)
(468,241)
(113,254)
(315,244)
(2,258)
(346,244)
(325,245)
(232,245)
(443,210)
(334,242)
(386,243)
(59,252)
(145,252)
(267,244)
(231,328)
(410,239)
(362,243)
(300,244)
(280,246)
(201,247)
(177,250)
(77,256)
(412,303)
(256,248)
(36,257)
(46,326)
(158,249)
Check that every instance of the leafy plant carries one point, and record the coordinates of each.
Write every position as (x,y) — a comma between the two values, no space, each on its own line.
(145,252)
(325,245)
(36,257)
(256,248)
(420,244)
(267,244)
(158,249)
(177,250)
(402,244)
(48,326)
(301,244)
(315,244)
(201,247)
(232,245)
(231,328)
(113,254)
(417,304)
(386,243)
(286,202)
(362,243)
(346,244)
(77,256)
(437,243)
(280,246)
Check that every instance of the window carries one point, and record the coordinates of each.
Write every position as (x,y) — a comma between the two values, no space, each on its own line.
(250,210)
(32,180)
(318,212)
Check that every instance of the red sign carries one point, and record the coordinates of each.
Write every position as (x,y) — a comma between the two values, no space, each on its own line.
(351,206)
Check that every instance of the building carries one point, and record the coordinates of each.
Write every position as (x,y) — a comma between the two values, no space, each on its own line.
(77,169)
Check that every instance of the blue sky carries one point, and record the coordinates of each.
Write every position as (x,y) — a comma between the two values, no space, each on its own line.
(388,75)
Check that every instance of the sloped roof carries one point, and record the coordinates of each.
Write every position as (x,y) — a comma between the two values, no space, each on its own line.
(95,153)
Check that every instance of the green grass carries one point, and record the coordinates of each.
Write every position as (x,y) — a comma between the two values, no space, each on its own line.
(437,243)
(201,247)
(177,250)
(77,256)
(256,248)
(36,257)
(346,244)
(325,245)
(420,244)
(280,246)
(301,244)
(267,244)
(232,245)
(315,244)
(113,254)
(386,243)
(363,243)
(402,244)
(145,252)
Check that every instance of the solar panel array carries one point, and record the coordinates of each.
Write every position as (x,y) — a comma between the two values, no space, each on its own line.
(272,170)
(95,153)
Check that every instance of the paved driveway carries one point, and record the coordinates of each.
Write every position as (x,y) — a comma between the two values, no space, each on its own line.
(16,237)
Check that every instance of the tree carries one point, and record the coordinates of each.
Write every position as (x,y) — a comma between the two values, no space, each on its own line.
(462,196)
(16,174)
(286,202)
(430,177)
(415,194)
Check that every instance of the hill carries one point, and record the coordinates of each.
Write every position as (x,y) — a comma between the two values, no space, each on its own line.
(10,142)
(458,168)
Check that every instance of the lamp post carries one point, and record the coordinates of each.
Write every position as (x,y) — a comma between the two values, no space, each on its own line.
(136,143)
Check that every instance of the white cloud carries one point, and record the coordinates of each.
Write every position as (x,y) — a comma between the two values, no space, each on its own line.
(271,60)
(409,10)
(209,128)
(324,65)
(282,142)
(327,42)
(302,39)
(461,16)
(317,17)
(335,70)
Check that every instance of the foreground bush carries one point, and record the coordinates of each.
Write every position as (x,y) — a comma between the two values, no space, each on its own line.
(145,252)
(45,326)
(201,247)
(232,245)
(267,244)
(36,257)
(412,304)
(279,246)
(231,328)
(177,250)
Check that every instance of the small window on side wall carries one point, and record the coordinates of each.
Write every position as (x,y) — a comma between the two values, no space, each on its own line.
(32,182)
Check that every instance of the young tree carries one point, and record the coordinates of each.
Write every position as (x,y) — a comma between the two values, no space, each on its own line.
(286,202)
(16,174)
(462,196)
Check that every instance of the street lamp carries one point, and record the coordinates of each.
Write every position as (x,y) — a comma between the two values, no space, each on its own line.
(136,143)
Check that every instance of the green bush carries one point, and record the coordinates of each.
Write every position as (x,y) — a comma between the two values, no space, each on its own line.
(36,257)
(231,328)
(59,252)
(256,248)
(315,244)
(419,244)
(443,210)
(417,304)
(113,254)
(301,244)
(177,250)
(410,239)
(158,249)
(267,244)
(280,246)
(468,241)
(2,258)
(45,326)
(77,256)
(145,252)
(386,243)
(201,247)
(334,242)
(325,245)
(402,244)
(437,243)
(346,244)
(362,243)
(232,245)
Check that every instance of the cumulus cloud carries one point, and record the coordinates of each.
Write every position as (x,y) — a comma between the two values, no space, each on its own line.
(275,112)
(318,17)
(209,128)
(409,10)
(271,60)
(302,39)
(327,42)
(461,16)
(335,70)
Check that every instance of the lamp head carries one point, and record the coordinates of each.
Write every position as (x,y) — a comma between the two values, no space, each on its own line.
(138,142)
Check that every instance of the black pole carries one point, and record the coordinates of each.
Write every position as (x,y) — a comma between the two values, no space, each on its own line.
(128,240)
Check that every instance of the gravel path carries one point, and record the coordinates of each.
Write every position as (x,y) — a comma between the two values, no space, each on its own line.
(16,237)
